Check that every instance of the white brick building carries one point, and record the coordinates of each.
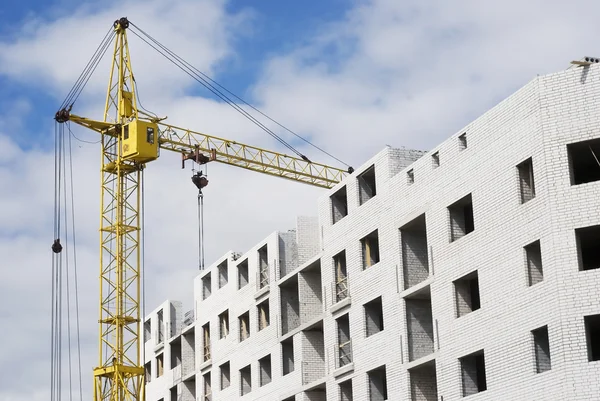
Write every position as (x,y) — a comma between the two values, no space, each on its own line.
(472,270)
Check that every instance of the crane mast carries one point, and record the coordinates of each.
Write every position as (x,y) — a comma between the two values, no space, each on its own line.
(119,374)
(130,139)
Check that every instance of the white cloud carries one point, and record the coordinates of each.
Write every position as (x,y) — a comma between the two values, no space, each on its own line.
(388,72)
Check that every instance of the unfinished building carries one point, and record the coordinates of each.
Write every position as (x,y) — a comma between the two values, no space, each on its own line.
(471,270)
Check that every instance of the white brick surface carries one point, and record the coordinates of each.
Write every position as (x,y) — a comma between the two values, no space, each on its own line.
(537,122)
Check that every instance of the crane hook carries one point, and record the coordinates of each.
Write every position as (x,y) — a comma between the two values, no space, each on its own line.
(199,180)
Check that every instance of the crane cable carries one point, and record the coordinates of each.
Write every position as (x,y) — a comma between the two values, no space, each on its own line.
(88,71)
(60,280)
(208,80)
(205,81)
(219,94)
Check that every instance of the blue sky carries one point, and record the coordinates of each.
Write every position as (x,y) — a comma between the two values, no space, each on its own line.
(274,28)
(352,75)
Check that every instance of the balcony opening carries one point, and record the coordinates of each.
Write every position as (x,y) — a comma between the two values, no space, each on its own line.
(339,205)
(366,185)
(313,353)
(263,315)
(419,322)
(473,373)
(588,249)
(311,288)
(541,346)
(415,255)
(423,382)
(467,294)
(244,321)
(461,218)
(176,353)
(533,255)
(584,161)
(243,274)
(370,249)
(526,182)
(373,316)
(287,353)
(290,305)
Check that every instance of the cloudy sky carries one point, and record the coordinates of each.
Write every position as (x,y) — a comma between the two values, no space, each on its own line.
(352,76)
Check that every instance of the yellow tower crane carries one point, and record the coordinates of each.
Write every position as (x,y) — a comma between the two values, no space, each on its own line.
(130,139)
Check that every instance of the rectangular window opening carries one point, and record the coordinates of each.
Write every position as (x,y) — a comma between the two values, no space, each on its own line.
(225,370)
(415,255)
(243,274)
(339,205)
(344,342)
(265,370)
(207,387)
(588,249)
(147,330)
(206,342)
(287,353)
(223,273)
(584,161)
(462,141)
(346,390)
(461,218)
(206,286)
(263,266)
(366,185)
(435,159)
(148,372)
(245,380)
(592,334)
(467,294)
(373,316)
(224,324)
(160,364)
(370,249)
(377,384)
(244,322)
(263,315)
(473,373)
(341,276)
(410,176)
(541,345)
(533,255)
(526,182)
